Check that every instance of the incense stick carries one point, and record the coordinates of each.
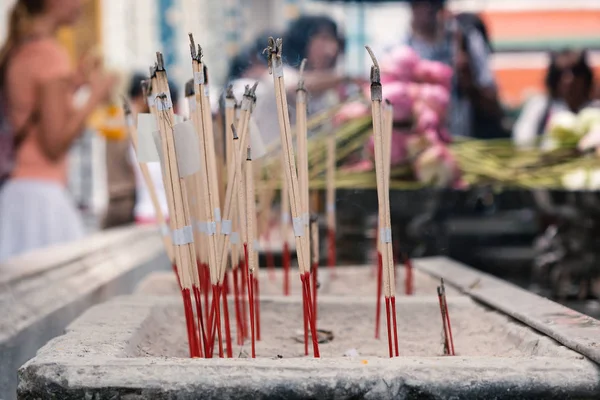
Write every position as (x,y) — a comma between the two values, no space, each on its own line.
(179,216)
(301,111)
(447,314)
(250,226)
(387,125)
(285,230)
(208,181)
(385,234)
(444,322)
(276,68)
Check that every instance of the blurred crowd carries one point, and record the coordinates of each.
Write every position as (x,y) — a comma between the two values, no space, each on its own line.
(45,103)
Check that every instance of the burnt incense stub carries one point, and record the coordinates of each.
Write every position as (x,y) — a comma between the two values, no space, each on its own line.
(136,345)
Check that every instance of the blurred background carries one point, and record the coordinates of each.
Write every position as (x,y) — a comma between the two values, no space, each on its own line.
(130,32)
(490,231)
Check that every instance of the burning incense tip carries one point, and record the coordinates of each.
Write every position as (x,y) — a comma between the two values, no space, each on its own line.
(235,134)
(193,51)
(249,154)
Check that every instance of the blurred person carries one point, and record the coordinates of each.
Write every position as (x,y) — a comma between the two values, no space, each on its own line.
(37,87)
(315,38)
(460,42)
(569,86)
(120,172)
(143,210)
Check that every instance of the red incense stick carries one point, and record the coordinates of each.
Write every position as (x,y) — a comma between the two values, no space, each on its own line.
(447,317)
(389,325)
(225,290)
(216,296)
(238,311)
(311,320)
(315,267)
(393,302)
(305,315)
(444,323)
(189,319)
(244,285)
(199,316)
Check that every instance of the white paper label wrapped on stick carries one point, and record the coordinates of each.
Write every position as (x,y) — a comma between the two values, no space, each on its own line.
(199,78)
(226,227)
(235,238)
(183,236)
(298,224)
(186,148)
(179,118)
(163,102)
(385,235)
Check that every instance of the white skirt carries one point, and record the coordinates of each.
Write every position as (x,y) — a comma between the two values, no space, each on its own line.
(36,214)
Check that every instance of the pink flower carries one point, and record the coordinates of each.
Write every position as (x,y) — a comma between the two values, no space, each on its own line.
(436,97)
(397,93)
(434,72)
(400,63)
(351,111)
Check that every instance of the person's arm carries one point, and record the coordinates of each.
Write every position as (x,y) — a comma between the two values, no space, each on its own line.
(317,82)
(59,123)
(477,81)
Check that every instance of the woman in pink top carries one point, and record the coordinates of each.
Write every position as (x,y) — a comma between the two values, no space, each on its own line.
(37,84)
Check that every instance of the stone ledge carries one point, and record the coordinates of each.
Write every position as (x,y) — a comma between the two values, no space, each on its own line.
(56,285)
(93,360)
(570,328)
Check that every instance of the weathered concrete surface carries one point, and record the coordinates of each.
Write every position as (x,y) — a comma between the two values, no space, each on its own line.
(95,360)
(42,292)
(575,330)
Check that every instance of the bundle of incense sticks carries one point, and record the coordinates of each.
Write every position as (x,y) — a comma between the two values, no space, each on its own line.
(232,159)
(297,208)
(160,218)
(175,170)
(385,231)
(387,141)
(447,328)
(301,139)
